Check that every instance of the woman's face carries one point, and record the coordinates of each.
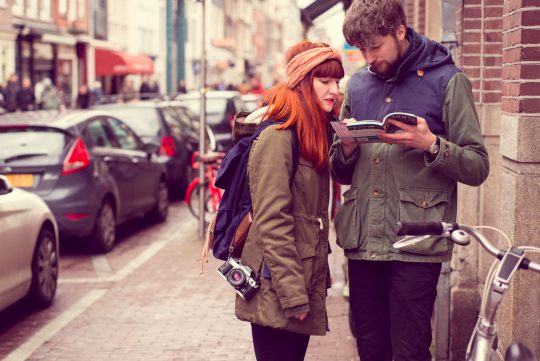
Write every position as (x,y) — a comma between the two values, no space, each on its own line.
(326,90)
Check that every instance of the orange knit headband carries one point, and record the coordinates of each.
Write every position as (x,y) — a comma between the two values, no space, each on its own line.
(303,63)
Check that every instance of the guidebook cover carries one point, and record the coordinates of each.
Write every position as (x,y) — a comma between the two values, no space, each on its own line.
(365,131)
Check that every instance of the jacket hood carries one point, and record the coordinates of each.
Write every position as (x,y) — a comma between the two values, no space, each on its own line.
(423,53)
(256,116)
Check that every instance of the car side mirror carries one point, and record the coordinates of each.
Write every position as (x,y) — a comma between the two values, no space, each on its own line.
(151,148)
(5,186)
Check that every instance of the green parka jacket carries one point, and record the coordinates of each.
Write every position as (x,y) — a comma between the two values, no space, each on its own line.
(391,183)
(290,231)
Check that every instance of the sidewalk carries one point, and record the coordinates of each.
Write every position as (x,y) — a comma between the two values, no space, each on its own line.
(164,311)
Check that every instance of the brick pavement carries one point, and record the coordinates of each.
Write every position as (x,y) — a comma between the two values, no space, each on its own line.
(164,310)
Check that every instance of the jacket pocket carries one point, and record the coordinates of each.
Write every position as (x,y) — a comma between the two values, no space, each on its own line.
(346,221)
(424,205)
(306,252)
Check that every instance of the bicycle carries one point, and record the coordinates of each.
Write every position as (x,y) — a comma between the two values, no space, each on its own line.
(483,342)
(211,161)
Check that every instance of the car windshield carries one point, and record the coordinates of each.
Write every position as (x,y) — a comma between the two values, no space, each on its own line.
(25,143)
(144,121)
(213,105)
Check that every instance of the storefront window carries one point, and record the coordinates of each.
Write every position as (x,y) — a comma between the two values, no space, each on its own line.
(17,7)
(43,61)
(45,10)
(81,7)
(32,8)
(72,10)
(62,8)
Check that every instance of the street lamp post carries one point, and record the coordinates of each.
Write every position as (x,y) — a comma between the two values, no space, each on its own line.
(202,126)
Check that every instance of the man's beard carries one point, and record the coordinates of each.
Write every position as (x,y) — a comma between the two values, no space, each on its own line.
(392,67)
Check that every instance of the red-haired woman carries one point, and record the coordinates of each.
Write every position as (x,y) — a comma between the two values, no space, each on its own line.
(288,239)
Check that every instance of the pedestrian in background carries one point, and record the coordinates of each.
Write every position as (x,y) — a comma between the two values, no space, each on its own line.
(128,91)
(26,99)
(410,176)
(10,93)
(97,93)
(49,96)
(83,97)
(290,215)
(182,86)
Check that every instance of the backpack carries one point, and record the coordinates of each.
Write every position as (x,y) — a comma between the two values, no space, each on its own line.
(229,227)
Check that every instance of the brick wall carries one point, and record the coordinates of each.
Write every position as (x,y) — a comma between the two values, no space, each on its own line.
(420,16)
(408,6)
(521,57)
(479,51)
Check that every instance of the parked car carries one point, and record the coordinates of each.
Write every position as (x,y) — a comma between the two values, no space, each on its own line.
(29,243)
(91,169)
(169,125)
(221,106)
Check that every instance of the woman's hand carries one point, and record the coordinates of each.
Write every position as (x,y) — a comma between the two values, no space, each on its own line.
(301,316)
(348,147)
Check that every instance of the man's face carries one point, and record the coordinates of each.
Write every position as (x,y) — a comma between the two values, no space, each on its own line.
(384,52)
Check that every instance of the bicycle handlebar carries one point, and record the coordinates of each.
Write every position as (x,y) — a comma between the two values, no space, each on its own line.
(443,228)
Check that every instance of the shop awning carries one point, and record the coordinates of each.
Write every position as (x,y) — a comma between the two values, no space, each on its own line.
(113,62)
(318,7)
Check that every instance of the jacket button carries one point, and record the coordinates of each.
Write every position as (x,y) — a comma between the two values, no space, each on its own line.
(424,204)
(388,99)
(375,192)
(372,255)
(446,154)
(377,160)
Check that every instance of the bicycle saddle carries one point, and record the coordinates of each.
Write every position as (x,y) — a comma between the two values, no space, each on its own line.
(518,352)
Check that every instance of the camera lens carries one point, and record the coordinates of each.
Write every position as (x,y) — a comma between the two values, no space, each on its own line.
(236,277)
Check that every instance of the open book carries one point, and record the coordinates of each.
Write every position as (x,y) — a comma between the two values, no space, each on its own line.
(365,131)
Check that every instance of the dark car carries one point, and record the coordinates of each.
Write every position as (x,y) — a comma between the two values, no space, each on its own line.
(221,106)
(169,125)
(91,169)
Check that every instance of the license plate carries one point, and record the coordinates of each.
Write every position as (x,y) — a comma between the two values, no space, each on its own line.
(21,180)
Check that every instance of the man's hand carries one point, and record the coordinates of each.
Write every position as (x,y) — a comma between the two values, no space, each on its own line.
(415,136)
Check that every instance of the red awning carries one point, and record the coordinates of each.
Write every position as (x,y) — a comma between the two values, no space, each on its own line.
(112,62)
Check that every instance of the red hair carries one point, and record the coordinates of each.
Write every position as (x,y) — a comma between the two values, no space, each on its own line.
(300,107)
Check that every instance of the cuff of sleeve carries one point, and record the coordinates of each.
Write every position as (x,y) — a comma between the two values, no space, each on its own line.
(296,310)
(349,161)
(442,157)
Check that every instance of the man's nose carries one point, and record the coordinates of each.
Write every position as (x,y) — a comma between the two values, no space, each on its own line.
(370,57)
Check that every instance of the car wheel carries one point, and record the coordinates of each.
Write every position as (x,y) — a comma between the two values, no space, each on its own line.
(161,210)
(103,236)
(44,270)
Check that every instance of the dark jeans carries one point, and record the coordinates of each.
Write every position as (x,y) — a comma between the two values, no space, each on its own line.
(391,306)
(272,344)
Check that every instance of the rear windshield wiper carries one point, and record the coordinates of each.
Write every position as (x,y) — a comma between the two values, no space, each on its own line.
(24,156)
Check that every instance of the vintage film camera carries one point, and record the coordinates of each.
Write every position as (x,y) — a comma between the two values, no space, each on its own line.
(240,277)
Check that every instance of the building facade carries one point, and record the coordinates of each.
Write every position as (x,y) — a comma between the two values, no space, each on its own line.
(497,44)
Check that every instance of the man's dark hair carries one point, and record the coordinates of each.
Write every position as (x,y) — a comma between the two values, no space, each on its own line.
(368,18)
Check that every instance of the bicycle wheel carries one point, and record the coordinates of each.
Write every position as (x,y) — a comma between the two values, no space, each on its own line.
(194,204)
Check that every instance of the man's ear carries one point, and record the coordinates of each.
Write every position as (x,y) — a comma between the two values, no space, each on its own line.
(401,32)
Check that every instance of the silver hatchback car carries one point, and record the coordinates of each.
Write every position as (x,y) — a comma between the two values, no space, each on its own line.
(29,243)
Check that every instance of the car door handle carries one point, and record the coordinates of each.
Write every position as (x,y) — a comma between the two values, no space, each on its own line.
(134,160)
(107,159)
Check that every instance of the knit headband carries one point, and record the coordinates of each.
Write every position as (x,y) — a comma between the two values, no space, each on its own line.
(303,63)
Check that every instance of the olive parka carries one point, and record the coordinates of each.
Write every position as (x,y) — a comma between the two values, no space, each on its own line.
(290,232)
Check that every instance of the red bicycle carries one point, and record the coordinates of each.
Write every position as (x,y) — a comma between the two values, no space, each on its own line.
(211,161)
